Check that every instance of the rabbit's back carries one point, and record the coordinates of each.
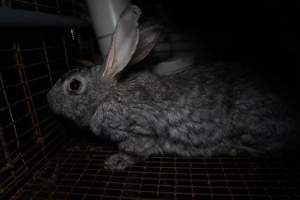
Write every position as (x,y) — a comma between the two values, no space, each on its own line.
(207,111)
(200,111)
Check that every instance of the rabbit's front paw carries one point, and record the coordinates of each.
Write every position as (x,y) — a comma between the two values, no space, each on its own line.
(119,161)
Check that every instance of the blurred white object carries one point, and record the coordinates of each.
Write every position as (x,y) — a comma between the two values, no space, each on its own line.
(174,65)
(105,15)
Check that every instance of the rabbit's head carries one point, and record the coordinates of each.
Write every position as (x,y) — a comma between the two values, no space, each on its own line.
(77,94)
(74,94)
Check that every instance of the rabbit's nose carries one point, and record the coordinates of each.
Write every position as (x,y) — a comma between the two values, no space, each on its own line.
(49,95)
(50,99)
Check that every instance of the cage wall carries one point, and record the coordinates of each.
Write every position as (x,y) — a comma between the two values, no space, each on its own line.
(32,59)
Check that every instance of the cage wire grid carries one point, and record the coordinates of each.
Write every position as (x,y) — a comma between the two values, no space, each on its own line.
(77,172)
(29,132)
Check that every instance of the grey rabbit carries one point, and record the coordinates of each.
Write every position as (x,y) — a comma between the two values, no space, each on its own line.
(190,111)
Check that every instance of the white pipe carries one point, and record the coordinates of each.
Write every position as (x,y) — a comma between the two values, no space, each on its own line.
(105,15)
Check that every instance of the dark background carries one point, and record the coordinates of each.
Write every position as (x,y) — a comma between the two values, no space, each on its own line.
(260,33)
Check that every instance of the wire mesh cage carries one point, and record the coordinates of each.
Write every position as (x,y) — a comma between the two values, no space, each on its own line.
(38,161)
(77,172)
(29,133)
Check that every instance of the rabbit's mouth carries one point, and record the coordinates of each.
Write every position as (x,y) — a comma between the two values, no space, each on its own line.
(52,102)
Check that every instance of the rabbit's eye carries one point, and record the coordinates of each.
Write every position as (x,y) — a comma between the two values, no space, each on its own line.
(75,85)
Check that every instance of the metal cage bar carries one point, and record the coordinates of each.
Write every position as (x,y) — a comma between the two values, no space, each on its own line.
(61,7)
(19,18)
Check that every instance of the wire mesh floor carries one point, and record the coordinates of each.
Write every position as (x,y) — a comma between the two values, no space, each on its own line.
(76,172)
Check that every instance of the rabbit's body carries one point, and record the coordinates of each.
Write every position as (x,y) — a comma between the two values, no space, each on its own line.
(200,110)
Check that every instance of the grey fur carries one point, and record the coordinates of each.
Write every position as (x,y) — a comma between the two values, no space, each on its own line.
(200,110)
(205,110)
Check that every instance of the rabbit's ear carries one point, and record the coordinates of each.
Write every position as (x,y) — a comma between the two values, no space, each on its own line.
(174,65)
(149,35)
(86,63)
(124,42)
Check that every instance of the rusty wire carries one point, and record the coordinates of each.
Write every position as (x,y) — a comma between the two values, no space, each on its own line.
(29,132)
(77,172)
